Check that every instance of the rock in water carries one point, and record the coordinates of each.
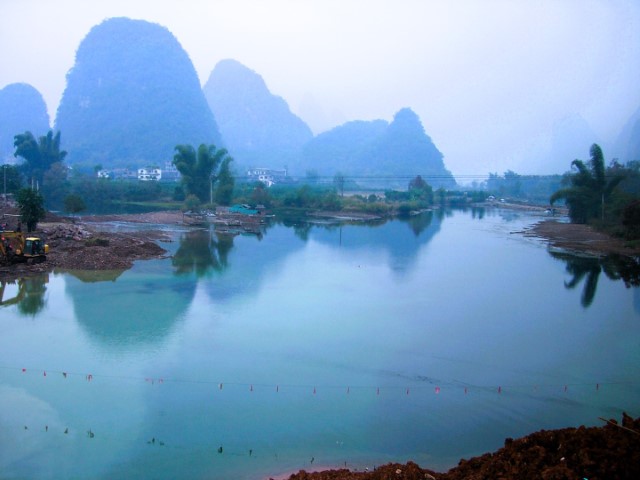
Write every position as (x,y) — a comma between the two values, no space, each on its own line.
(131,97)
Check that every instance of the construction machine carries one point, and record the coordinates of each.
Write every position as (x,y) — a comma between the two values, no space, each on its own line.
(16,247)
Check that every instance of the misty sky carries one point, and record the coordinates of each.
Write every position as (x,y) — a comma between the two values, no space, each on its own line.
(489,79)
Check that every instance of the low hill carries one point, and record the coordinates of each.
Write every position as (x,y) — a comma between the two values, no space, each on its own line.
(379,153)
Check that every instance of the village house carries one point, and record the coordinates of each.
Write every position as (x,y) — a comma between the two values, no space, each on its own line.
(267,176)
(149,174)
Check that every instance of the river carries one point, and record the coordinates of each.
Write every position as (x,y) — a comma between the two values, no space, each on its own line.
(430,339)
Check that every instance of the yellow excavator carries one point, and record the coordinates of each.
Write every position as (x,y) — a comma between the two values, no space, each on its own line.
(16,247)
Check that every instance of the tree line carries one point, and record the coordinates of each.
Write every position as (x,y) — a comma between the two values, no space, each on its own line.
(605,196)
(43,180)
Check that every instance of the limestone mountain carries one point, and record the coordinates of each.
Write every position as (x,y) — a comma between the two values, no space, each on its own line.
(571,137)
(339,149)
(379,152)
(22,109)
(628,143)
(131,97)
(257,127)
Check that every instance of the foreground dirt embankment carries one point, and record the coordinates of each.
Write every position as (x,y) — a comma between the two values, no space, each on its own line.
(610,452)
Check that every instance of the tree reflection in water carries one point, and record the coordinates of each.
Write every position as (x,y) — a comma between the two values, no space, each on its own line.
(201,252)
(30,296)
(588,268)
(419,223)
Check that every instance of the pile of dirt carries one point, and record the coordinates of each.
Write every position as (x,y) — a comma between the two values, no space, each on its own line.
(74,246)
(78,248)
(610,452)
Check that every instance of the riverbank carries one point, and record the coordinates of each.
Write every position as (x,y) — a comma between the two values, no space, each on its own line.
(581,238)
(79,245)
(608,452)
(84,244)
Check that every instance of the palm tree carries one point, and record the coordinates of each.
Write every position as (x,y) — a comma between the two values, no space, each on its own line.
(39,155)
(589,189)
(198,168)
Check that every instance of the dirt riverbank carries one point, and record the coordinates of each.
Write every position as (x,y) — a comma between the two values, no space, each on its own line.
(80,245)
(581,238)
(610,452)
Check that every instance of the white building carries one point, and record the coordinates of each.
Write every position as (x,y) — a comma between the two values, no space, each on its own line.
(170,172)
(149,174)
(267,176)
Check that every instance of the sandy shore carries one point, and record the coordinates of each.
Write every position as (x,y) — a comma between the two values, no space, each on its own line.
(581,238)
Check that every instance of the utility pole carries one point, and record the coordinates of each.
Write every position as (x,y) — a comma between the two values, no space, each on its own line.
(4,167)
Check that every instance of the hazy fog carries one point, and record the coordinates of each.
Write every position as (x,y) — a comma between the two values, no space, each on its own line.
(489,79)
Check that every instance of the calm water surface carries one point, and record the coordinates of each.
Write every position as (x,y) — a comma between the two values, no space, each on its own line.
(431,340)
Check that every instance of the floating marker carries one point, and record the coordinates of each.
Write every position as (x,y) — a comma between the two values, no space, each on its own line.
(437,389)
(24,370)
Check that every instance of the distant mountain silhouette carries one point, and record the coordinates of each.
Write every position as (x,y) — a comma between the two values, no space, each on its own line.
(338,149)
(628,143)
(21,109)
(387,153)
(131,97)
(257,127)
(571,137)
